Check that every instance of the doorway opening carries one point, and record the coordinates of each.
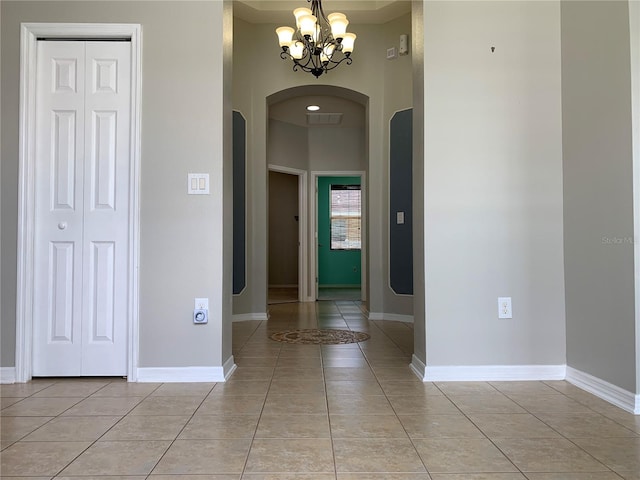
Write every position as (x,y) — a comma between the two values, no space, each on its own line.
(286,254)
(331,141)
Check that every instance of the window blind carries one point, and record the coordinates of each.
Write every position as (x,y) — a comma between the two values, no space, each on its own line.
(346,216)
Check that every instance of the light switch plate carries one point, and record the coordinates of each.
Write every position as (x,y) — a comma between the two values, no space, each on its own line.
(198,184)
(399,218)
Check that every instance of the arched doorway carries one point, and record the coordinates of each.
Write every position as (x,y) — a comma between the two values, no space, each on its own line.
(331,141)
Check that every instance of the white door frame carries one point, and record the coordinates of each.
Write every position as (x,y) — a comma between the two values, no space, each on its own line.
(313,227)
(29,34)
(303,283)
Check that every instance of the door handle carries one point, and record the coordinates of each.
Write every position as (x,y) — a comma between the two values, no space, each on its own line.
(62,225)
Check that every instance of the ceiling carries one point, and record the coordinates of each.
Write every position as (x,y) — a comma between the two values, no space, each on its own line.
(357,11)
(294,110)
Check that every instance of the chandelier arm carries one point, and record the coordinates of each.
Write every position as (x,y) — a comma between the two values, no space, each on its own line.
(333,64)
(311,63)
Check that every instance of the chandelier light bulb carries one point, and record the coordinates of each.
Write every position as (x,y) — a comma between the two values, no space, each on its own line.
(347,42)
(299,12)
(285,35)
(328,50)
(338,22)
(296,49)
(308,25)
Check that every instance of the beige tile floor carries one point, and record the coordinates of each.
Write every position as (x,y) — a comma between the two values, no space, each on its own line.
(290,294)
(346,412)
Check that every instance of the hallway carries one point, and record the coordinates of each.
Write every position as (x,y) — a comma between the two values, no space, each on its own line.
(311,412)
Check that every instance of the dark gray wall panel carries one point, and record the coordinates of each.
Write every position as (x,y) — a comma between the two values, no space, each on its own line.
(400,193)
(239,203)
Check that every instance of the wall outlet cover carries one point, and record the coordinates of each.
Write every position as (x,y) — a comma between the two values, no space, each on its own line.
(504,307)
(201,303)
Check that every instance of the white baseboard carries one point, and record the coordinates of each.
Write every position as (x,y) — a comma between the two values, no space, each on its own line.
(494,373)
(229,367)
(611,393)
(7,374)
(418,367)
(244,317)
(184,374)
(392,317)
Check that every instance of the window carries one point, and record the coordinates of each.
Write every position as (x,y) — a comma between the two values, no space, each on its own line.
(345,211)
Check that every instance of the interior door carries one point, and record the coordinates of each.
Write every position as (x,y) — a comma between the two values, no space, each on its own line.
(82,228)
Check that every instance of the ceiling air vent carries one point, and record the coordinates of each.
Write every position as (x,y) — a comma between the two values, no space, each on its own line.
(324,118)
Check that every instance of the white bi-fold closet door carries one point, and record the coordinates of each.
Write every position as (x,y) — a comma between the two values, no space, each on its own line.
(81,247)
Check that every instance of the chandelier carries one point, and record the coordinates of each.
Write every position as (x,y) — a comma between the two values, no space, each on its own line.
(319,43)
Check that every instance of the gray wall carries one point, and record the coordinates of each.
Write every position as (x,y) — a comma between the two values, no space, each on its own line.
(598,191)
(8,194)
(417,55)
(185,123)
(288,145)
(347,150)
(398,80)
(493,183)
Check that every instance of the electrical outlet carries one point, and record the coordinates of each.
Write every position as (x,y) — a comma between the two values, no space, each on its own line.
(201,304)
(504,307)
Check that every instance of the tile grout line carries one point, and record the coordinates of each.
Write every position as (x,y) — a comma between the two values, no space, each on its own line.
(91,444)
(326,400)
(480,430)
(255,432)
(172,442)
(386,396)
(528,412)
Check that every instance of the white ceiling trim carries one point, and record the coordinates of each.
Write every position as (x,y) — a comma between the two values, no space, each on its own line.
(360,11)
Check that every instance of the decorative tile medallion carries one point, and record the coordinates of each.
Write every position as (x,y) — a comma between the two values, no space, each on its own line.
(320,337)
